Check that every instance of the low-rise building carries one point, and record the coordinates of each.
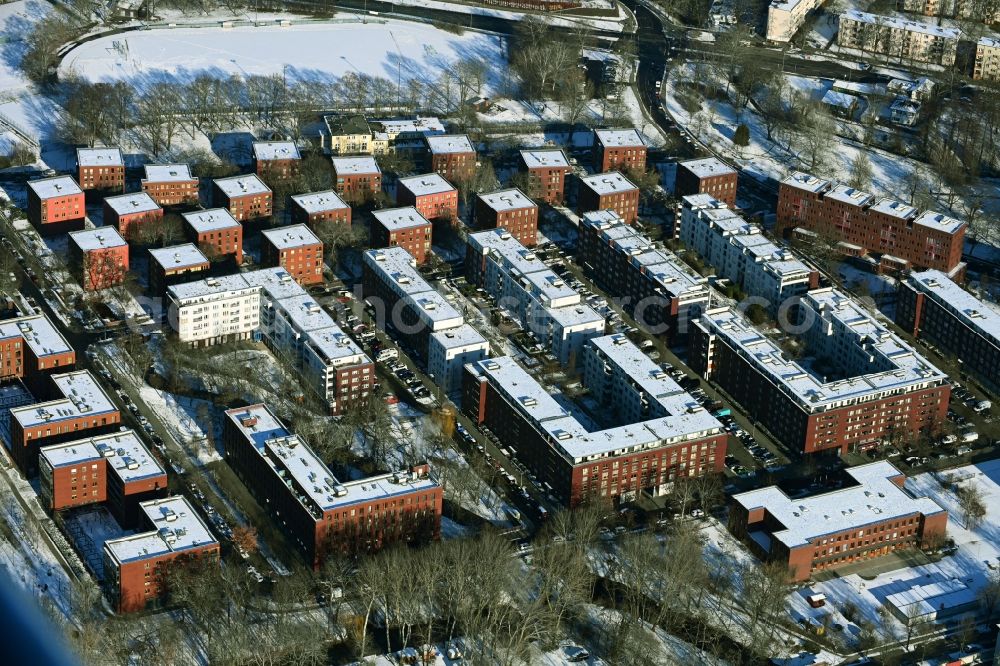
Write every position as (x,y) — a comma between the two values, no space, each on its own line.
(859,387)
(772,276)
(136,215)
(170,184)
(270,304)
(653,434)
(616,149)
(321,514)
(98,257)
(32,349)
(101,169)
(656,287)
(276,160)
(709,176)
(511,210)
(296,249)
(175,264)
(356,179)
(547,169)
(81,408)
(931,307)
(421,317)
(785,17)
(609,191)
(318,208)
(898,37)
(402,227)
(848,215)
(116,468)
(874,517)
(217,233)
(246,197)
(56,205)
(534,296)
(987,12)
(433,196)
(451,155)
(136,566)
(987,66)
(350,135)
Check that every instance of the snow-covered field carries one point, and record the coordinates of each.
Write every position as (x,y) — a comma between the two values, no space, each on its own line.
(315,53)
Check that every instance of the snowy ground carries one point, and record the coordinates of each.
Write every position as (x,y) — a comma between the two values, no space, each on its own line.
(615,24)
(315,53)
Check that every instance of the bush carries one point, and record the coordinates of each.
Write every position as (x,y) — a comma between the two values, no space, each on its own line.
(742,135)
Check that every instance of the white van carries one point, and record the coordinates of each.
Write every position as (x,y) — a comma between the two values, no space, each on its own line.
(387,354)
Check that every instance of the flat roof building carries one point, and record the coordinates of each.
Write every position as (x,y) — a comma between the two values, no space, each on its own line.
(356,179)
(101,168)
(175,264)
(547,169)
(898,37)
(170,184)
(402,227)
(246,197)
(217,233)
(296,249)
(276,160)
(609,191)
(318,208)
(619,149)
(56,205)
(98,257)
(432,196)
(872,518)
(136,215)
(451,155)
(510,210)
(709,176)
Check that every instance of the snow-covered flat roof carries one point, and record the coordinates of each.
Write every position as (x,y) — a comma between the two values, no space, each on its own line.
(41,336)
(83,397)
(708,167)
(523,267)
(939,222)
(460,337)
(619,138)
(176,527)
(98,157)
(355,165)
(304,312)
(178,256)
(785,5)
(285,238)
(397,268)
(608,183)
(509,199)
(418,125)
(897,23)
(71,453)
(980,315)
(443,144)
(849,195)
(434,310)
(577,316)
(134,202)
(544,158)
(428,183)
(101,238)
(57,186)
(894,208)
(223,286)
(128,458)
(989,42)
(839,99)
(240,186)
(807,182)
(319,202)
(211,219)
(168,173)
(876,499)
(397,219)
(335,347)
(275,150)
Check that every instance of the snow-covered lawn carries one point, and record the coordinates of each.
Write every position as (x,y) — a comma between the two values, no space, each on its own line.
(315,53)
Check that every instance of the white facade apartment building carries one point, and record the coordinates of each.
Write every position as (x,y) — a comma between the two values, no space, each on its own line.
(539,299)
(987,67)
(785,17)
(987,12)
(898,38)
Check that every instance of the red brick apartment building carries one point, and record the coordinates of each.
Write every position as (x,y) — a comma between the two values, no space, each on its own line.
(609,191)
(296,249)
(246,197)
(883,389)
(356,179)
(613,465)
(82,408)
(619,149)
(875,517)
(452,156)
(131,213)
(116,468)
(277,160)
(547,169)
(319,513)
(101,169)
(511,210)
(709,176)
(136,566)
(318,208)
(932,307)
(98,257)
(31,349)
(216,232)
(403,227)
(56,205)
(862,223)
(170,184)
(175,264)
(433,196)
